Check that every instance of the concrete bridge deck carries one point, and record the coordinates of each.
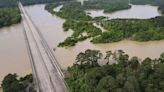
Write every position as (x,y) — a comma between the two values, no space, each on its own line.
(47,73)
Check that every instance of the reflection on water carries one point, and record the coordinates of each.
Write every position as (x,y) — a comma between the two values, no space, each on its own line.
(136,11)
(51,27)
(13,54)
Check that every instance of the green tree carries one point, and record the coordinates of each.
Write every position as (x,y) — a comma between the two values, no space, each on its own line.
(90,57)
(146,67)
(120,80)
(94,76)
(131,85)
(123,60)
(162,58)
(134,62)
(106,84)
(11,84)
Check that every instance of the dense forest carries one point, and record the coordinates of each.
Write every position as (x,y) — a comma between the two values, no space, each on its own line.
(73,11)
(9,16)
(11,83)
(133,29)
(107,5)
(115,72)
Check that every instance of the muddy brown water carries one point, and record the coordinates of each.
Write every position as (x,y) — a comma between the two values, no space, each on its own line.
(14,56)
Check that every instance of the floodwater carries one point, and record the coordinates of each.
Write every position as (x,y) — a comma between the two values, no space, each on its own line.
(51,27)
(136,11)
(13,53)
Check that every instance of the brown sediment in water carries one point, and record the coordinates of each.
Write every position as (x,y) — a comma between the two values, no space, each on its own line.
(51,27)
(14,57)
(13,53)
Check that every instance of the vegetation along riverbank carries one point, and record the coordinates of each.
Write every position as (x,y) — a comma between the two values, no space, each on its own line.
(116,29)
(9,16)
(9,12)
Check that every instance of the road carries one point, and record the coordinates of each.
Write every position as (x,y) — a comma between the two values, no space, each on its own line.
(47,74)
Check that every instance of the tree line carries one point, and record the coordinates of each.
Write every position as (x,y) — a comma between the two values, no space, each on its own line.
(107,5)
(11,83)
(115,72)
(9,16)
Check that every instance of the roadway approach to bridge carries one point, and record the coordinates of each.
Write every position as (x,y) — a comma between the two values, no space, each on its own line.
(47,73)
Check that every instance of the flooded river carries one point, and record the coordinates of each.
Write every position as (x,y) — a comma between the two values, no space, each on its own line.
(13,53)
(136,11)
(51,27)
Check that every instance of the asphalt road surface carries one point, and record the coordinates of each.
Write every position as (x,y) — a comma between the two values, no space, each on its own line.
(47,73)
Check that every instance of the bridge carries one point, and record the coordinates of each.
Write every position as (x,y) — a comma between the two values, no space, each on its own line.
(47,73)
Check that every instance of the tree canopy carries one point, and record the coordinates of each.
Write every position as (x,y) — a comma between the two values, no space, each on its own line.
(125,75)
(9,16)
(11,83)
